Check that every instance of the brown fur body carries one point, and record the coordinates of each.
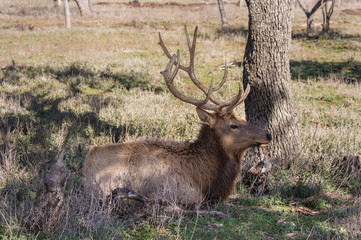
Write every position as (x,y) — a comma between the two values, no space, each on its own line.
(187,172)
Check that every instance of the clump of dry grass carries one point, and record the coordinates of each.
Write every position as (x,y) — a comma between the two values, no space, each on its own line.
(16,199)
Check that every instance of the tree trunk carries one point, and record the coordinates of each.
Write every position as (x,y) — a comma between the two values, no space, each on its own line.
(223,13)
(309,24)
(269,104)
(326,14)
(57,3)
(90,5)
(310,14)
(67,14)
(83,6)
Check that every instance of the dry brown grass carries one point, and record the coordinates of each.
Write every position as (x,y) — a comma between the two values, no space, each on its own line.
(71,86)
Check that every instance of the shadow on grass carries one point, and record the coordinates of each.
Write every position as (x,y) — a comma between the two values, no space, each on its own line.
(232,31)
(254,218)
(34,132)
(79,72)
(348,71)
(319,35)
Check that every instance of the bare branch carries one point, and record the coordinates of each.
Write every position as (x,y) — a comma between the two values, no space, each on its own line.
(183,212)
(304,8)
(125,193)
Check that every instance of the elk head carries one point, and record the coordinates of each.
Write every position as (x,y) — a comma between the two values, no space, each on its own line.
(233,134)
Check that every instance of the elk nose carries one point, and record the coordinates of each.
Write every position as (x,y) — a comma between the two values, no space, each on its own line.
(269,136)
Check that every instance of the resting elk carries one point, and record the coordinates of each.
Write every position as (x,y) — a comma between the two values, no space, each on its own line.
(184,172)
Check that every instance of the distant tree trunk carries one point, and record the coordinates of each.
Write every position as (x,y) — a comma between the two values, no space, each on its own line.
(223,13)
(326,14)
(310,14)
(57,3)
(83,6)
(269,104)
(90,5)
(240,3)
(67,14)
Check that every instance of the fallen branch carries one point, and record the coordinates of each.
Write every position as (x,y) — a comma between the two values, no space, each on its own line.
(307,211)
(126,193)
(184,212)
(296,201)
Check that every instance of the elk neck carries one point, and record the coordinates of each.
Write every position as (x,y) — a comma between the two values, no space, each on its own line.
(218,169)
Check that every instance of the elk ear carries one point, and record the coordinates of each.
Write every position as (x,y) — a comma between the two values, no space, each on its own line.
(206,117)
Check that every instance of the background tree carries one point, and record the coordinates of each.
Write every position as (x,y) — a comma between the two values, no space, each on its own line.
(84,6)
(90,5)
(57,3)
(327,11)
(67,14)
(223,13)
(310,14)
(269,104)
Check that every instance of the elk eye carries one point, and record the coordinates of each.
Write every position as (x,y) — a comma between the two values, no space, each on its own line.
(234,126)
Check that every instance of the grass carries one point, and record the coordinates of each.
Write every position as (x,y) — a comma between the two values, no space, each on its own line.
(99,82)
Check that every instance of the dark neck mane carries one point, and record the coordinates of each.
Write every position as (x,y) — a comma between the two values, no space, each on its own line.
(218,170)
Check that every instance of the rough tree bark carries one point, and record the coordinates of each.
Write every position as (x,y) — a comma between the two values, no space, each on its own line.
(223,13)
(269,104)
(67,14)
(310,14)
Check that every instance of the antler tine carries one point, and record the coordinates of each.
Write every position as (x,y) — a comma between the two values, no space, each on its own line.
(244,96)
(165,50)
(190,68)
(176,68)
(192,49)
(204,105)
(235,101)
(188,42)
(224,78)
(169,79)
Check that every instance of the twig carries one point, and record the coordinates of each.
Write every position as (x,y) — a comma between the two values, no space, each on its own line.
(125,193)
(180,211)
(7,224)
(309,235)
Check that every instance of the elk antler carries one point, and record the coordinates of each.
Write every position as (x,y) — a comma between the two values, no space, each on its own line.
(218,106)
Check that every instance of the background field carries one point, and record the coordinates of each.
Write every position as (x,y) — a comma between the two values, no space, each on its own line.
(99,82)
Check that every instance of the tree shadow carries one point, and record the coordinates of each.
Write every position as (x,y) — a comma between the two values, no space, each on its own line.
(346,71)
(32,132)
(231,31)
(319,35)
(279,223)
(79,72)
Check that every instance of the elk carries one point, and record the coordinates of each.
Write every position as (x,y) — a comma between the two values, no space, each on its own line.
(188,172)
